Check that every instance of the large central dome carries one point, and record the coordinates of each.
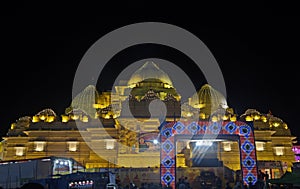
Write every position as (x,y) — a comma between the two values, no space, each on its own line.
(147,71)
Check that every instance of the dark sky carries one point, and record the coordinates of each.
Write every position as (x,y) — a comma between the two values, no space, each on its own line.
(258,54)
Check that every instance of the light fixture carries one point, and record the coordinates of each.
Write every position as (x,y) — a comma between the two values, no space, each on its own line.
(214,119)
(227,146)
(260,146)
(249,118)
(72,146)
(110,144)
(39,146)
(204,143)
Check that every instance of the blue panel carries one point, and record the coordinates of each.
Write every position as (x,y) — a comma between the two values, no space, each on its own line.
(168,162)
(230,127)
(179,127)
(168,178)
(194,128)
(167,146)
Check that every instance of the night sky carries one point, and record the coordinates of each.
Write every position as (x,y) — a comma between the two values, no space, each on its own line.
(41,49)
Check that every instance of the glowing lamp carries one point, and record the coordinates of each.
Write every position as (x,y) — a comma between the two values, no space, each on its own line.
(74,117)
(73,146)
(39,146)
(227,146)
(233,118)
(110,144)
(85,119)
(214,119)
(225,117)
(202,115)
(20,151)
(260,146)
(50,119)
(42,117)
(35,119)
(249,118)
(97,106)
(256,117)
(279,150)
(12,126)
(65,118)
(276,124)
(188,114)
(264,119)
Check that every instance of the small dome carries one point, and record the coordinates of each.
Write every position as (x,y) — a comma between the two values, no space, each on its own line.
(85,101)
(208,100)
(47,112)
(147,71)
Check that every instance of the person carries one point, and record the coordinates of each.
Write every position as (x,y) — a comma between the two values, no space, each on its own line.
(237,185)
(228,186)
(32,186)
(181,184)
(218,182)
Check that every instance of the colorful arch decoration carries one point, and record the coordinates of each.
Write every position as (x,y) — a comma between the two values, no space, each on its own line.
(246,140)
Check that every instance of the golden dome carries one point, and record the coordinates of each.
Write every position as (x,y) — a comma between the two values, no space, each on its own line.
(147,71)
(208,100)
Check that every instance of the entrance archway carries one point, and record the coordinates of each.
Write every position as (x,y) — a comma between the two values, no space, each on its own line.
(243,131)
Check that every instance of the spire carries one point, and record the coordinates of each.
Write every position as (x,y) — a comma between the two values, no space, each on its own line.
(270,113)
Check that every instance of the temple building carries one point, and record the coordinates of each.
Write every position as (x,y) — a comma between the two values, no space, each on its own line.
(118,129)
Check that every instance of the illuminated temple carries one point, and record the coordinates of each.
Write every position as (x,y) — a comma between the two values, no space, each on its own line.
(129,134)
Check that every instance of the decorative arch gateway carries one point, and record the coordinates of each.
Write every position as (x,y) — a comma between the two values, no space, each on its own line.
(243,130)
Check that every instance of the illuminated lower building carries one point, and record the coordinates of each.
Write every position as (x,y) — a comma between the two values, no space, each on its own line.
(128,136)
